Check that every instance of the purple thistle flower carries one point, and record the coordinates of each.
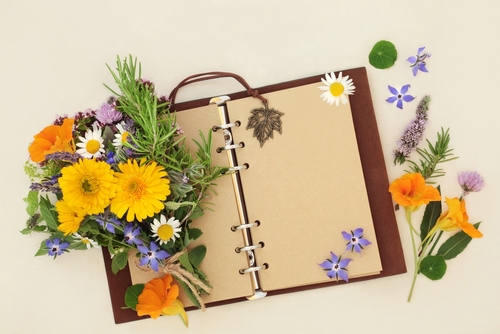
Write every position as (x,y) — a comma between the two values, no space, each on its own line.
(109,224)
(470,182)
(413,133)
(130,234)
(400,96)
(336,267)
(108,114)
(55,247)
(151,255)
(355,239)
(418,62)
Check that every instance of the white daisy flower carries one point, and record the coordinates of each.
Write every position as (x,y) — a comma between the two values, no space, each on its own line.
(89,243)
(165,230)
(92,145)
(336,89)
(120,137)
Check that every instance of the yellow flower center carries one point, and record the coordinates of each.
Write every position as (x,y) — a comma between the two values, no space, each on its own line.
(136,188)
(89,185)
(93,146)
(336,89)
(124,136)
(165,232)
(85,241)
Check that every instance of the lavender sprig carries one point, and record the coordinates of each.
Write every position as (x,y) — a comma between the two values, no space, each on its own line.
(413,133)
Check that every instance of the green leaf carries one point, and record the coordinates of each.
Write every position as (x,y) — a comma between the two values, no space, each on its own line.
(32,201)
(48,213)
(383,55)
(433,267)
(184,260)
(197,254)
(455,244)
(189,293)
(119,262)
(26,231)
(132,295)
(194,233)
(42,250)
(431,214)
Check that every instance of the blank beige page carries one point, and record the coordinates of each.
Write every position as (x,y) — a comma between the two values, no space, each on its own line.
(305,186)
(222,263)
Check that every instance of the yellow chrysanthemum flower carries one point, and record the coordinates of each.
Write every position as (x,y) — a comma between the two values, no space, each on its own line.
(88,184)
(69,217)
(141,190)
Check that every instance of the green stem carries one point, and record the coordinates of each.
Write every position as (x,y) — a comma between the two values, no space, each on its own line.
(415,258)
(435,242)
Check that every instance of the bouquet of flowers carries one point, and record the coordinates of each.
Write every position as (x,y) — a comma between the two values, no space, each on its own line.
(123,177)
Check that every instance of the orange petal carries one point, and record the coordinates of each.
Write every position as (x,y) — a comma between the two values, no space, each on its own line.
(469,229)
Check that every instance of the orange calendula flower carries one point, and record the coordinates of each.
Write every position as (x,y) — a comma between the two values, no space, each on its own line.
(54,138)
(159,297)
(411,191)
(456,218)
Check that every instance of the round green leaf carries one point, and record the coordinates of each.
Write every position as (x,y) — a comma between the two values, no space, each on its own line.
(383,55)
(433,267)
(132,295)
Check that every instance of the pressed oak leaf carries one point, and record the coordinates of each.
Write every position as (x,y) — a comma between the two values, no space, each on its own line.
(264,122)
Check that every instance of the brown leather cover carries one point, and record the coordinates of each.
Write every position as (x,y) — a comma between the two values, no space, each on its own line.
(377,184)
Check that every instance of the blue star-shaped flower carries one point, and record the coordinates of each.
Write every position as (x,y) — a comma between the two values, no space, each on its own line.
(400,96)
(130,234)
(336,267)
(418,62)
(56,247)
(355,239)
(152,255)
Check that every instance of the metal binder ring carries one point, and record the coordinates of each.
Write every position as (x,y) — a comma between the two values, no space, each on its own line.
(253,269)
(236,168)
(225,126)
(249,248)
(242,226)
(230,147)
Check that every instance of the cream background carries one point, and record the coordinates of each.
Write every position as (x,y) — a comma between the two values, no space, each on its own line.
(53,54)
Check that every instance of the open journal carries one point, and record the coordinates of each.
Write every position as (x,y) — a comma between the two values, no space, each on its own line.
(283,207)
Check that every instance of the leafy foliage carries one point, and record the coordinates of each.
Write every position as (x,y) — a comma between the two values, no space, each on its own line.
(433,267)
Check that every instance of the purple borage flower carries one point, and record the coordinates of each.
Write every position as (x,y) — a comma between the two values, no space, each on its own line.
(151,255)
(336,267)
(400,96)
(355,239)
(418,62)
(130,234)
(470,182)
(55,247)
(109,223)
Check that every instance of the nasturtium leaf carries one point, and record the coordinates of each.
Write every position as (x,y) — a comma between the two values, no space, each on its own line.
(48,213)
(197,254)
(455,244)
(431,214)
(119,262)
(433,267)
(132,295)
(383,55)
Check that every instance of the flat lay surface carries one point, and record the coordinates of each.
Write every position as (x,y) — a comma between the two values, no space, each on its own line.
(54,56)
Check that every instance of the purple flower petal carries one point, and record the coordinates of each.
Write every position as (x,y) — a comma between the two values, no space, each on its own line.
(393,90)
(399,104)
(364,242)
(344,262)
(342,274)
(392,99)
(358,233)
(335,258)
(412,59)
(327,264)
(404,89)
(346,235)
(408,98)
(420,50)
(414,70)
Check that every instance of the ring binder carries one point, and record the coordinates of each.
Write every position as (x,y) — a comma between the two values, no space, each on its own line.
(215,128)
(253,269)
(242,226)
(249,248)
(230,147)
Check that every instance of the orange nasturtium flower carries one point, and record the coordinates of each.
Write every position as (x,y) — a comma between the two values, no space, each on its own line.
(456,218)
(53,138)
(410,191)
(159,297)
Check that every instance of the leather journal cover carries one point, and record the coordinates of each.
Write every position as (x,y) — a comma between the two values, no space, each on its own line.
(281,212)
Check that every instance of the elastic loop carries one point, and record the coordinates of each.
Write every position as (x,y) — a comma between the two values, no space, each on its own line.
(225,126)
(230,147)
(253,269)
(215,75)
